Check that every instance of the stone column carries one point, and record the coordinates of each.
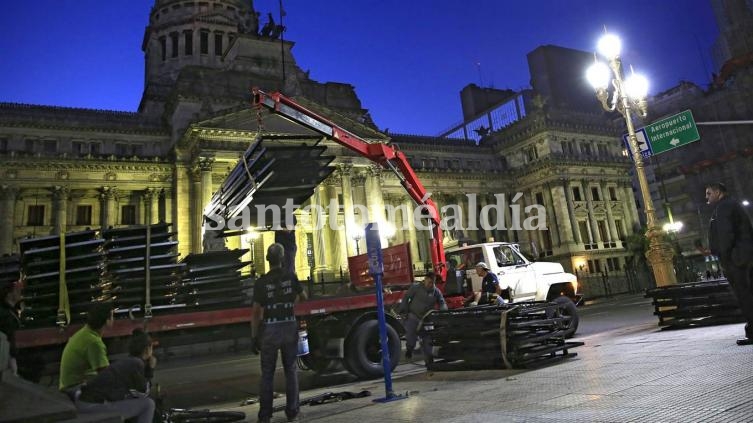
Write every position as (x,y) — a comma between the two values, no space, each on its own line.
(571,212)
(374,198)
(610,218)
(321,240)
(205,167)
(508,219)
(150,198)
(346,173)
(486,233)
(196,211)
(359,201)
(591,217)
(336,250)
(631,208)
(553,219)
(108,199)
(412,234)
(8,196)
(60,208)
(565,219)
(301,241)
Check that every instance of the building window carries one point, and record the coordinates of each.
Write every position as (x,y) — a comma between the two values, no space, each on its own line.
(613,264)
(595,194)
(94,148)
(128,215)
(78,148)
(612,194)
(586,149)
(620,229)
(137,150)
(204,42)
(576,194)
(602,149)
(163,47)
(29,145)
(531,153)
(230,39)
(174,44)
(3,145)
(188,43)
(36,216)
(121,149)
(539,198)
(602,225)
(83,215)
(50,146)
(218,44)
(584,234)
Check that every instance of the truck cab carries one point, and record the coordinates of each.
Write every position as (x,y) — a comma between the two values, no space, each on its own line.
(526,280)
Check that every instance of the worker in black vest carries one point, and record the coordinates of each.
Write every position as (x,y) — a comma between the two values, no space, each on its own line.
(273,329)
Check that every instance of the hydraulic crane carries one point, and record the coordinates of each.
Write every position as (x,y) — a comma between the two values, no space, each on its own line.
(386,155)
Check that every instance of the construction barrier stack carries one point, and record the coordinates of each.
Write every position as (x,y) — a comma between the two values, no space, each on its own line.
(695,304)
(514,335)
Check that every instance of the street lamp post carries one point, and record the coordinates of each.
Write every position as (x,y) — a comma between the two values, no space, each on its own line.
(629,94)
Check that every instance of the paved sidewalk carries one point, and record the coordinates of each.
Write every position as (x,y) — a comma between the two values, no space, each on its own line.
(637,374)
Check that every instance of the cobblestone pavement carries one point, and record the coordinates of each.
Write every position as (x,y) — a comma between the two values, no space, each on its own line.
(634,374)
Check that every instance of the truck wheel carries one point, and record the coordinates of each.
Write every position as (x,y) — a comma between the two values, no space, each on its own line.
(568,308)
(363,356)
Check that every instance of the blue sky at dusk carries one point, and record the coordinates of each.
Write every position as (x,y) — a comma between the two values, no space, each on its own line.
(407,59)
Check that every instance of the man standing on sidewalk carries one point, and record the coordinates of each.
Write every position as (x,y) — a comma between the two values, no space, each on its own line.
(273,329)
(731,239)
(419,299)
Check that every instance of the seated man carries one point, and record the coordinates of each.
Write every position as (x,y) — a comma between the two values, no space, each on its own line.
(490,289)
(85,354)
(122,388)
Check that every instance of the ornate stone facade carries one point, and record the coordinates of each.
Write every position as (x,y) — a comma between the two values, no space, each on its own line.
(67,169)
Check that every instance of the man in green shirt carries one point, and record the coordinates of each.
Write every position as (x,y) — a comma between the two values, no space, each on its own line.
(85,354)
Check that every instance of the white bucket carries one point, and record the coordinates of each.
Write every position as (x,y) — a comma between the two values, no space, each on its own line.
(303,342)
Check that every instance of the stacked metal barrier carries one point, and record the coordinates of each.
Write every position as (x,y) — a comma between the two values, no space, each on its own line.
(506,336)
(129,255)
(695,304)
(82,258)
(213,279)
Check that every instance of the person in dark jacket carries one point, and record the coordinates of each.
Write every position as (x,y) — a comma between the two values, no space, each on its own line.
(274,329)
(10,320)
(420,299)
(123,387)
(731,239)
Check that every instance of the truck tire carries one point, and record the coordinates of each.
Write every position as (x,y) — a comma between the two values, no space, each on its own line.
(568,308)
(363,355)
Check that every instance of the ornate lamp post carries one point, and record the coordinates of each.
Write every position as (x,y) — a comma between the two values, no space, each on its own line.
(628,96)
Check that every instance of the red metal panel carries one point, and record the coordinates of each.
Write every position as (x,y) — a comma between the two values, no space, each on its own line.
(357,302)
(398,268)
(54,336)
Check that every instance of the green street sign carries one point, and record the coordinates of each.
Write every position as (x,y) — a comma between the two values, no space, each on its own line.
(672,132)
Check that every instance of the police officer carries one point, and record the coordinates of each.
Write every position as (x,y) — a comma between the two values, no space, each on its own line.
(274,328)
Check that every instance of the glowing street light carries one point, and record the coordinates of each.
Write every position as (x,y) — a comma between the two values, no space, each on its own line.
(672,227)
(628,96)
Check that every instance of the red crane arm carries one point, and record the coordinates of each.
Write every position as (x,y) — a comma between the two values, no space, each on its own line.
(383,154)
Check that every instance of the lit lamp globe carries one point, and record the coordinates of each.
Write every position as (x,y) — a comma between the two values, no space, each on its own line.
(598,75)
(636,86)
(609,46)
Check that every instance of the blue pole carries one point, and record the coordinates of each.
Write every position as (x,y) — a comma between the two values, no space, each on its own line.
(376,268)
(386,363)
